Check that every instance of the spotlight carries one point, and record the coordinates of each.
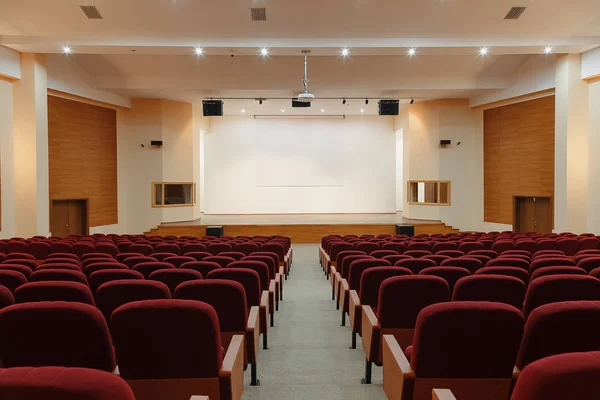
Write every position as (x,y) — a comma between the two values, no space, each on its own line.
(483,51)
(412,101)
(411,52)
(362,110)
(198,51)
(243,111)
(322,110)
(260,102)
(345,52)
(282,111)
(66,50)
(548,50)
(264,52)
(366,101)
(344,101)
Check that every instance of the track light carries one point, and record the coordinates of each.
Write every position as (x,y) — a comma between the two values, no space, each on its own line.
(67,50)
(412,101)
(344,101)
(260,101)
(362,110)
(366,101)
(411,52)
(483,51)
(264,52)
(198,51)
(345,52)
(548,50)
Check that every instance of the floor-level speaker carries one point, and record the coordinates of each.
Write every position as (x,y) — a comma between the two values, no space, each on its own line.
(405,229)
(214,230)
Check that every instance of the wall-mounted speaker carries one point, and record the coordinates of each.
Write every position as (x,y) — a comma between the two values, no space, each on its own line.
(445,142)
(405,229)
(156,143)
(215,230)
(300,104)
(212,108)
(389,107)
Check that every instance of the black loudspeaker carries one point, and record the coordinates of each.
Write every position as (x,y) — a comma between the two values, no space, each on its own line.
(214,230)
(389,107)
(300,104)
(445,142)
(156,143)
(212,108)
(405,229)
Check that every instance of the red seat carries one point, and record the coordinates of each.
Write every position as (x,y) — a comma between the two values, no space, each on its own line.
(6,297)
(54,291)
(99,266)
(39,250)
(416,265)
(437,258)
(167,248)
(590,263)
(399,248)
(64,255)
(144,249)
(162,256)
(31,336)
(12,279)
(467,247)
(550,262)
(193,247)
(246,248)
(441,246)
(222,261)
(65,275)
(107,248)
(471,264)
(491,254)
(178,261)
(496,288)
(517,272)
(501,246)
(450,253)
(508,262)
(568,270)
(113,294)
(146,268)
(383,253)
(204,267)
(25,270)
(59,383)
(216,248)
(367,247)
(81,248)
(450,274)
(236,255)
(174,277)
(124,256)
(198,255)
(97,278)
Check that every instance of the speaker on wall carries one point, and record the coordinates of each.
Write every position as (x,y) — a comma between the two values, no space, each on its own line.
(405,229)
(389,107)
(300,104)
(212,108)
(215,230)
(156,143)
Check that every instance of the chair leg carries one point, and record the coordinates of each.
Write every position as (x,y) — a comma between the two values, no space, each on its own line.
(337,304)
(332,292)
(343,318)
(272,320)
(253,380)
(353,340)
(367,379)
(265,343)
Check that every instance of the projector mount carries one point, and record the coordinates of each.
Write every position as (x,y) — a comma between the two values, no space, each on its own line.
(306,96)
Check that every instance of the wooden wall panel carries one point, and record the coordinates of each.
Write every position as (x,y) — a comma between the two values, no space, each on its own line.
(518,155)
(82,152)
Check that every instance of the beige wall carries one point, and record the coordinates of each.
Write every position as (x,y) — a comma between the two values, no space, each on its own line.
(7,178)
(594,160)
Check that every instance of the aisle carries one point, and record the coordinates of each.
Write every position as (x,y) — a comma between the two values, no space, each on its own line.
(309,354)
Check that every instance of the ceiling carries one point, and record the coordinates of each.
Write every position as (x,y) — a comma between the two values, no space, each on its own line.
(144,48)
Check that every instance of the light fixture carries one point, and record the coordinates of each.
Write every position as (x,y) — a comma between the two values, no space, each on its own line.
(67,50)
(362,110)
(483,51)
(264,52)
(260,101)
(548,50)
(412,101)
(345,52)
(243,110)
(282,110)
(198,51)
(411,52)
(344,101)
(366,101)
(322,110)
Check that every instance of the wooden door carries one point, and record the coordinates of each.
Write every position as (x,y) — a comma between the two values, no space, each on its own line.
(69,217)
(60,219)
(543,215)
(524,214)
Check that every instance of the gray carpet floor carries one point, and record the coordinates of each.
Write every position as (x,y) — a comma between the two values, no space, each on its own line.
(309,355)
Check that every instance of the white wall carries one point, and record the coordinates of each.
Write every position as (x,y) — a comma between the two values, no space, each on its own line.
(7,171)
(590,63)
(10,63)
(334,165)
(399,170)
(593,159)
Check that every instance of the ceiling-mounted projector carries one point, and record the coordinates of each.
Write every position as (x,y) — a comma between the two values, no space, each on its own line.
(306,97)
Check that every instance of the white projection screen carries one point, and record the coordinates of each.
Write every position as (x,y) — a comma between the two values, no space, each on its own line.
(299,153)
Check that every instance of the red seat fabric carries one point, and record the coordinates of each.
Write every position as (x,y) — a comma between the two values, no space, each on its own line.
(371,281)
(65,275)
(414,245)
(96,279)
(39,250)
(90,269)
(227,297)
(248,278)
(550,262)
(437,258)
(174,277)
(12,279)
(590,263)
(441,246)
(114,294)
(260,267)
(236,255)
(529,246)
(557,288)
(467,247)
(572,376)
(178,261)
(162,256)
(394,259)
(501,246)
(216,248)
(273,269)
(358,267)
(27,262)
(54,291)
(416,265)
(17,246)
(59,383)
(419,253)
(399,248)
(452,340)
(491,254)
(133,261)
(30,335)
(448,273)
(64,255)
(82,248)
(61,247)
(107,248)
(158,339)
(6,297)
(568,246)
(495,288)
(568,270)
(204,267)
(124,256)
(517,272)
(383,253)
(198,255)
(167,248)
(221,260)
(367,247)
(144,249)
(193,248)
(471,264)
(17,267)
(588,243)
(508,262)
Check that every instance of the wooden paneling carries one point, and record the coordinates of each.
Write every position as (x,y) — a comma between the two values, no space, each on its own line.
(82,152)
(518,155)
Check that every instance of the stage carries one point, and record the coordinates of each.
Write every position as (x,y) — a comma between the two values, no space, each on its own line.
(302,228)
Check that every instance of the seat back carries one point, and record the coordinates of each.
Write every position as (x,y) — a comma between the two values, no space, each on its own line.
(260,267)
(550,262)
(497,288)
(114,294)
(12,279)
(50,274)
(96,279)
(557,288)
(223,261)
(174,277)
(357,268)
(6,297)
(517,272)
(248,278)
(54,291)
(472,264)
(508,262)
(449,274)
(545,271)
(371,280)
(416,264)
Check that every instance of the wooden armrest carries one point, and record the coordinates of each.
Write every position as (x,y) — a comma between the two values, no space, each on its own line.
(345,285)
(232,370)
(252,318)
(281,271)
(199,398)
(253,331)
(354,303)
(398,377)
(371,331)
(264,300)
(272,285)
(443,394)
(370,317)
(516,372)
(327,259)
(397,355)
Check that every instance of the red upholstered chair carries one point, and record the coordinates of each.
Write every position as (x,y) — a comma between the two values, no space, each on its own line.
(144,249)
(491,254)
(508,262)
(39,250)
(174,277)
(162,256)
(107,248)
(19,256)
(529,246)
(501,246)
(423,246)
(572,376)
(96,260)
(367,247)
(437,258)
(566,270)
(124,256)
(123,246)
(450,274)
(266,283)
(416,264)
(12,279)
(452,349)
(517,252)
(6,297)
(61,247)
(198,255)
(81,248)
(133,261)
(557,328)
(63,255)
(228,298)
(54,291)
(557,288)
(273,274)
(394,259)
(90,269)
(399,248)
(590,263)
(399,302)
(450,253)
(547,244)
(204,267)
(113,294)
(383,253)
(246,248)
(516,272)
(221,260)
(550,262)
(172,350)
(279,249)
(496,288)
(97,278)
(588,243)
(236,255)
(17,246)
(146,268)
(471,264)
(59,383)
(64,275)
(335,249)
(31,336)
(441,246)
(467,247)
(342,273)
(368,294)
(193,247)
(167,248)
(25,270)
(355,271)
(216,248)
(484,259)
(543,253)
(178,261)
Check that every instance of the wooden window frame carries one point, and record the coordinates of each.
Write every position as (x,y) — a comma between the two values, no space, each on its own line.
(163,205)
(414,203)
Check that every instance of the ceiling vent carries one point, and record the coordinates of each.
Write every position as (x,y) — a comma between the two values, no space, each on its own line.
(91,12)
(258,14)
(515,12)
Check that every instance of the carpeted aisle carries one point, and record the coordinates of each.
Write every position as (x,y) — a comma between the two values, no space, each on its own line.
(309,354)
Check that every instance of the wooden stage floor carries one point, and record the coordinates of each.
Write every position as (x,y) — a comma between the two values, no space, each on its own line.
(302,228)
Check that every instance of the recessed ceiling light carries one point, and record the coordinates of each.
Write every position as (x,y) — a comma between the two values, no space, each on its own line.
(282,110)
(322,110)
(264,52)
(345,52)
(198,51)
(548,50)
(67,50)
(362,110)
(411,52)
(483,51)
(243,110)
